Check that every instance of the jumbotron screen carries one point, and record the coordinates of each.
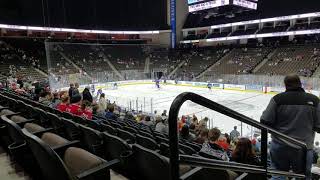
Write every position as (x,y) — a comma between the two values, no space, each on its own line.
(199,5)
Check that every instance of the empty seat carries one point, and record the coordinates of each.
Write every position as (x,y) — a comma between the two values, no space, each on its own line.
(6,112)
(117,148)
(108,128)
(53,140)
(146,134)
(71,163)
(147,142)
(56,123)
(150,165)
(186,149)
(33,128)
(72,129)
(92,140)
(127,136)
(130,129)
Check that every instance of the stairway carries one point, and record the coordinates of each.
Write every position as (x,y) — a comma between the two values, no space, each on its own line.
(73,64)
(112,66)
(177,68)
(226,56)
(259,66)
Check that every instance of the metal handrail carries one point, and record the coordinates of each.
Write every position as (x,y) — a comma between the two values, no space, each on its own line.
(173,134)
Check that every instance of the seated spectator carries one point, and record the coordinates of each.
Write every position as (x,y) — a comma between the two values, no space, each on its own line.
(211,149)
(86,112)
(109,113)
(147,121)
(223,143)
(244,153)
(63,104)
(86,95)
(160,125)
(185,134)
(75,105)
(55,101)
(45,98)
(203,137)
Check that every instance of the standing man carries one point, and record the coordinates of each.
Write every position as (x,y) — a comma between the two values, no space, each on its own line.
(234,134)
(70,91)
(76,90)
(294,113)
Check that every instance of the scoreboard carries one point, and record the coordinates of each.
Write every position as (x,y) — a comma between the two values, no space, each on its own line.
(199,5)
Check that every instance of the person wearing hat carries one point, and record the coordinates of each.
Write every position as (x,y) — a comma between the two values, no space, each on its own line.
(296,114)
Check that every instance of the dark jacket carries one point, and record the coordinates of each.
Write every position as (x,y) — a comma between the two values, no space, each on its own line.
(87,96)
(70,92)
(294,113)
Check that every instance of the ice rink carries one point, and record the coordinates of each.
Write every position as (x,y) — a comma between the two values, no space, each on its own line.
(149,98)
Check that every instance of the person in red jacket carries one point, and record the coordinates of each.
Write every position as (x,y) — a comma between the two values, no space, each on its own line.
(75,106)
(64,104)
(86,112)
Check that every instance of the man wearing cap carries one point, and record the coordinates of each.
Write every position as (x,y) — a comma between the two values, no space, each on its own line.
(294,113)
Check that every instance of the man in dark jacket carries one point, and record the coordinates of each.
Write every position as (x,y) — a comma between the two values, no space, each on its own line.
(294,113)
(70,90)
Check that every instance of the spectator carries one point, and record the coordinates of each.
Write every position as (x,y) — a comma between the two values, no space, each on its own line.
(234,134)
(160,125)
(64,104)
(203,137)
(296,114)
(211,149)
(147,121)
(85,111)
(75,90)
(244,153)
(86,95)
(75,106)
(45,98)
(223,143)
(203,123)
(55,101)
(71,88)
(164,113)
(102,103)
(185,134)
(110,115)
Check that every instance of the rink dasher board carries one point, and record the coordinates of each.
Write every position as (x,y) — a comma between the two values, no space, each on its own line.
(234,87)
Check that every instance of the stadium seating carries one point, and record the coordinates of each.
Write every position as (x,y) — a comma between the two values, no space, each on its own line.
(240,61)
(293,59)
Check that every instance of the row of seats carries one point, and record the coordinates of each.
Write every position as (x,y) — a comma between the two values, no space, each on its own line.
(125,146)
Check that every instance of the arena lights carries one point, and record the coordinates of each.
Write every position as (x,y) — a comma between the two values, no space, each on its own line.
(35,28)
(254,36)
(281,18)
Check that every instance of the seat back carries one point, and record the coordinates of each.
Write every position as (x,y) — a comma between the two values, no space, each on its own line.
(130,129)
(146,134)
(146,142)
(186,149)
(14,131)
(162,140)
(127,136)
(108,128)
(72,129)
(92,140)
(51,165)
(56,123)
(114,146)
(196,147)
(149,164)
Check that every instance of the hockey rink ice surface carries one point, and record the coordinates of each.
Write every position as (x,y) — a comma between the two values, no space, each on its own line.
(248,103)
